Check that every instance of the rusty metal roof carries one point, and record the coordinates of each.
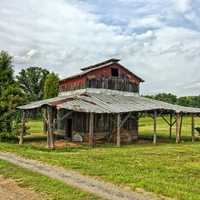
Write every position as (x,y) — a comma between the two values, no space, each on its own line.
(107,63)
(107,101)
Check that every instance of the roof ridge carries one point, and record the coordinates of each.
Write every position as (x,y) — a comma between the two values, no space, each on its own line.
(111,60)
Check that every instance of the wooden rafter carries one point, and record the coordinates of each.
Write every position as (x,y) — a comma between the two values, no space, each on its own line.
(125,119)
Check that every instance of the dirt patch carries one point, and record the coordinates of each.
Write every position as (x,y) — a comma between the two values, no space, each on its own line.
(9,190)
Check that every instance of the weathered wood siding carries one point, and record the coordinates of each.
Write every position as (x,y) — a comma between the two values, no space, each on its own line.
(104,127)
(102,78)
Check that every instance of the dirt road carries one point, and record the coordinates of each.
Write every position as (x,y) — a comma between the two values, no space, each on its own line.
(99,188)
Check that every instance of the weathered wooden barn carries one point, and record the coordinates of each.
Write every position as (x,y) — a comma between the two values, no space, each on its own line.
(102,104)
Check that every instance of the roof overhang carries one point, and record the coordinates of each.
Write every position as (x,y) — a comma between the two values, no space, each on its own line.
(108,101)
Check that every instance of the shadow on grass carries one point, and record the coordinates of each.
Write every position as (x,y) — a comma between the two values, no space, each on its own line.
(38,143)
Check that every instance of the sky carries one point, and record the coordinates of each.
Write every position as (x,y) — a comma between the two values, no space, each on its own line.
(157,40)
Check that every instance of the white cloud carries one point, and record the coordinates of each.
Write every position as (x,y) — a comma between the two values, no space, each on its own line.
(183,5)
(151,21)
(66,35)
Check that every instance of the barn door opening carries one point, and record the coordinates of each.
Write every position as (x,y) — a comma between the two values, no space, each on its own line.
(69,128)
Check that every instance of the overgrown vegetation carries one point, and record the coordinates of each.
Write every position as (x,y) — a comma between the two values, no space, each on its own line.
(29,86)
(48,188)
(10,96)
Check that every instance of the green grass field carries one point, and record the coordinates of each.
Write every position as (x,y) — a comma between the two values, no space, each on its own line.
(167,168)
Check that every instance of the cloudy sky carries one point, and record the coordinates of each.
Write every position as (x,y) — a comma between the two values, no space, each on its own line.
(158,40)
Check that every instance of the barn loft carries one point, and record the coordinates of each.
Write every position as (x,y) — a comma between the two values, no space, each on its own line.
(102,104)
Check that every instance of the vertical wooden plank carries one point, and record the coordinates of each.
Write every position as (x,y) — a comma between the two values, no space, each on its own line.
(21,137)
(170,126)
(118,130)
(193,128)
(178,127)
(155,127)
(91,130)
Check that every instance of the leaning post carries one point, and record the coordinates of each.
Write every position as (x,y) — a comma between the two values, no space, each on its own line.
(193,128)
(118,130)
(154,127)
(21,137)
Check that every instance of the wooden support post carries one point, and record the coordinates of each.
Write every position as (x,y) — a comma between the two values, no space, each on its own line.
(178,117)
(50,134)
(154,127)
(193,128)
(180,131)
(170,126)
(45,124)
(91,130)
(21,137)
(118,130)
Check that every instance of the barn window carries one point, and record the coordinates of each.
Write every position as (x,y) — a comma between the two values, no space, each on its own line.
(114,72)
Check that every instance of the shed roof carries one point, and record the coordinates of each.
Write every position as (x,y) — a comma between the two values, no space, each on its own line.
(108,101)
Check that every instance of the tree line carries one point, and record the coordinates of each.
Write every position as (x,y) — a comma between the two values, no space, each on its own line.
(31,84)
(191,101)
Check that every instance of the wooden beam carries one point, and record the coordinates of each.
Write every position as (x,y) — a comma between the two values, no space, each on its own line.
(66,115)
(154,127)
(165,120)
(118,130)
(91,130)
(178,117)
(125,119)
(180,130)
(45,121)
(21,137)
(50,133)
(193,128)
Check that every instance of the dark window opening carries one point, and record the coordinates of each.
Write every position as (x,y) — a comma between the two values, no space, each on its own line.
(114,72)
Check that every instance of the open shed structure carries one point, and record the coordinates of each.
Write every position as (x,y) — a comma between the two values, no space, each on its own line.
(102,104)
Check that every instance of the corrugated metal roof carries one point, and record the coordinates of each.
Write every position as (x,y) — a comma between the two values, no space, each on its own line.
(107,102)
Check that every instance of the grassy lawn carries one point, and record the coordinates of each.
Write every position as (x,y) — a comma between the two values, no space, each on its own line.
(168,169)
(48,188)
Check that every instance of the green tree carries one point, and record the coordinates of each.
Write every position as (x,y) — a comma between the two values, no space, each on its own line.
(170,98)
(51,86)
(31,81)
(10,94)
(166,97)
